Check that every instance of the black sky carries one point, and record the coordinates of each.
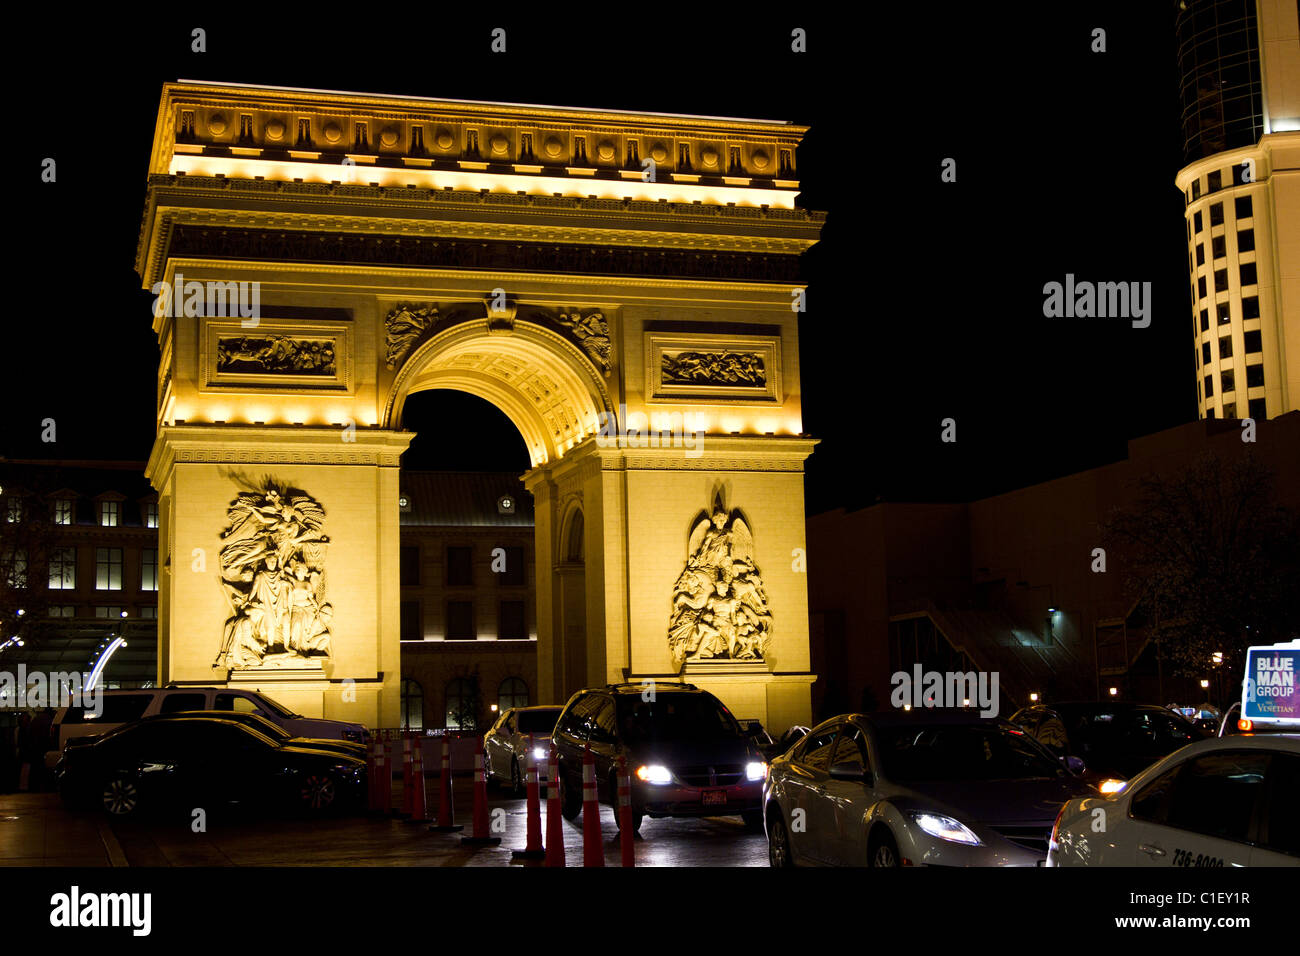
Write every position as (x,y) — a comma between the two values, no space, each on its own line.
(925,298)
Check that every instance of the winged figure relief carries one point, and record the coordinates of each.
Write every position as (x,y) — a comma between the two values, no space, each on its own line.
(720,608)
(273,577)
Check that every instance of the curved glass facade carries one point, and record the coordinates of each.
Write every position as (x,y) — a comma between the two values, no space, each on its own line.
(1219,76)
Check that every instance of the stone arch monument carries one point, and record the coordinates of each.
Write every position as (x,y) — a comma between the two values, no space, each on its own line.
(317,257)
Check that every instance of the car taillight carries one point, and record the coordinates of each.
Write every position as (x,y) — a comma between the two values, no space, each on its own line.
(1245,725)
(1056,826)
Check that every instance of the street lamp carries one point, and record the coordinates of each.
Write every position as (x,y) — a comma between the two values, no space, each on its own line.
(1114,692)
(1034,697)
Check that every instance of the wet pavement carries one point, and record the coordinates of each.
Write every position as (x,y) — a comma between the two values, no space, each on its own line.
(45,834)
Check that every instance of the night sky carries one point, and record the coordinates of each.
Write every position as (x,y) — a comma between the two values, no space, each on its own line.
(925,298)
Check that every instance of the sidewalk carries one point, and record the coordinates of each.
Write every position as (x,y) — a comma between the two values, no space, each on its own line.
(35,830)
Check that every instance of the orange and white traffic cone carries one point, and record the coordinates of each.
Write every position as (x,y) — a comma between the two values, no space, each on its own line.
(593,853)
(625,833)
(554,819)
(480,835)
(419,795)
(533,850)
(446,811)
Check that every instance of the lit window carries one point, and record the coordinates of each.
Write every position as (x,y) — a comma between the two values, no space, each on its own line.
(513,692)
(463,704)
(63,511)
(14,563)
(63,569)
(108,514)
(149,613)
(108,569)
(149,569)
(151,514)
(108,612)
(412,696)
(13,509)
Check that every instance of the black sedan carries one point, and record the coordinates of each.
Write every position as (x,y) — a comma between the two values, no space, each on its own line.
(1116,740)
(186,762)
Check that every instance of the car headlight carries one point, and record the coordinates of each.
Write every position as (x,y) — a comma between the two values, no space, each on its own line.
(1112,786)
(945,828)
(539,753)
(755,770)
(654,773)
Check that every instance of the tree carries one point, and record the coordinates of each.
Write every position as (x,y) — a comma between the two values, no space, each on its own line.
(25,541)
(1216,558)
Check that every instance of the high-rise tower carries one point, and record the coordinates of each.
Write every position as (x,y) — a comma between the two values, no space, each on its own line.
(1239,65)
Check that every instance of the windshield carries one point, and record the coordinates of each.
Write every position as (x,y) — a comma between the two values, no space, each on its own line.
(674,717)
(537,721)
(275,708)
(962,752)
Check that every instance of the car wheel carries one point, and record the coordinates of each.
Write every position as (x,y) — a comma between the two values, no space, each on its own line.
(753,820)
(318,793)
(516,779)
(778,843)
(637,815)
(120,796)
(882,850)
(570,800)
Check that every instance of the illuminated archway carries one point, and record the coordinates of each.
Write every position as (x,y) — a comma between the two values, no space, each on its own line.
(540,381)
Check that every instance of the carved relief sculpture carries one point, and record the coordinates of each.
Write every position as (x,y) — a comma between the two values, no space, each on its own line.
(273,576)
(720,609)
(275,353)
(592,333)
(404,326)
(714,368)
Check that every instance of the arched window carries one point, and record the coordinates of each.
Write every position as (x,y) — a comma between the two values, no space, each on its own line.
(573,550)
(463,704)
(513,692)
(412,695)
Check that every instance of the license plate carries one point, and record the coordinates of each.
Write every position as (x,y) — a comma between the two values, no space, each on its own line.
(715,798)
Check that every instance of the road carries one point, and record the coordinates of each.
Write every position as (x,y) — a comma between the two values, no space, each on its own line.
(367,841)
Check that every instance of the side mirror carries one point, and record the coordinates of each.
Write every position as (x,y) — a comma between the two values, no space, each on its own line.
(849,771)
(1074,764)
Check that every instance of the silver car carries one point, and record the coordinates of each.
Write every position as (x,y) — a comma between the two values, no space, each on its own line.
(919,788)
(505,746)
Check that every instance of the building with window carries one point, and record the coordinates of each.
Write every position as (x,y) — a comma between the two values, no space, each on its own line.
(468,607)
(1239,65)
(80,546)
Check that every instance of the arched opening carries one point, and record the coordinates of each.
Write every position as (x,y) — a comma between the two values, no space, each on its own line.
(486,407)
(412,705)
(571,579)
(512,692)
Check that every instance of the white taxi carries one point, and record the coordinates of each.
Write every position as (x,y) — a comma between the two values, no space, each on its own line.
(1226,801)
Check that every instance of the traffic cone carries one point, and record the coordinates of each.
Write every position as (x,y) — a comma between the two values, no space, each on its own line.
(446,811)
(554,820)
(419,795)
(480,835)
(533,850)
(593,854)
(625,833)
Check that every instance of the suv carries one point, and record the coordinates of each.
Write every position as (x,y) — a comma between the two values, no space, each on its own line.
(685,752)
(118,707)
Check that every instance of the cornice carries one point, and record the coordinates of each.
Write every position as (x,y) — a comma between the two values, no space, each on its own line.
(271,445)
(459,213)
